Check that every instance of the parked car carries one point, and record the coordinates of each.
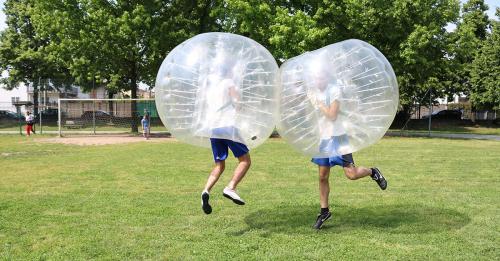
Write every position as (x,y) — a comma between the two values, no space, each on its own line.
(101,117)
(48,114)
(445,115)
(10,115)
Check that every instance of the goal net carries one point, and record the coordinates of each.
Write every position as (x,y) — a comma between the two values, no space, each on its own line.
(106,116)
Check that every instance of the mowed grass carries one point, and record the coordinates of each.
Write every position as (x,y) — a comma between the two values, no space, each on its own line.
(141,201)
(458,129)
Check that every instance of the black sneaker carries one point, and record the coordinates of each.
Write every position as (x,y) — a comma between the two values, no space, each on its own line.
(322,218)
(379,178)
(204,203)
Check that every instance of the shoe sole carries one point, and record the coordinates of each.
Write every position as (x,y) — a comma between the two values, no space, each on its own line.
(329,216)
(205,206)
(237,202)
(384,186)
(383,178)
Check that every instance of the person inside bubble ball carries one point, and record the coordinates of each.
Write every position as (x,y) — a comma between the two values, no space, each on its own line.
(326,95)
(220,111)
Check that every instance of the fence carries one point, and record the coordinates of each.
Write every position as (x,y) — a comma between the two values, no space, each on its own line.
(93,116)
(419,111)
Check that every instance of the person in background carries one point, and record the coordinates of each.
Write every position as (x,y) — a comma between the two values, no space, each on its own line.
(30,120)
(145,126)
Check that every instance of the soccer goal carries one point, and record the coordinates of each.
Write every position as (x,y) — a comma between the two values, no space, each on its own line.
(106,116)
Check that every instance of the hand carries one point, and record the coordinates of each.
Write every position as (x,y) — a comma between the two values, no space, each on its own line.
(313,99)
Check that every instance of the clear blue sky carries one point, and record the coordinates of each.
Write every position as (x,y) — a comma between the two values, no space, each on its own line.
(491,13)
(2,16)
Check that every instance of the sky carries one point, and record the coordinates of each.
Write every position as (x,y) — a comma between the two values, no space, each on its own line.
(491,13)
(2,16)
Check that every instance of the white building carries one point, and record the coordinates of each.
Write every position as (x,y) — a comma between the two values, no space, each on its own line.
(6,97)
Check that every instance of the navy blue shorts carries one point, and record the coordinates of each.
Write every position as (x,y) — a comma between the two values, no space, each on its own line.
(344,161)
(331,146)
(220,148)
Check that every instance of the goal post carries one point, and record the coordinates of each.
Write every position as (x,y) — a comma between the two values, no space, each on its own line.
(106,116)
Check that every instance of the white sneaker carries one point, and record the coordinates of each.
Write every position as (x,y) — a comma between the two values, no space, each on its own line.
(231,194)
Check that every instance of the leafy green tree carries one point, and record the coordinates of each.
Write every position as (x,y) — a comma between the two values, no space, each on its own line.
(285,28)
(485,71)
(118,44)
(411,34)
(464,45)
(23,52)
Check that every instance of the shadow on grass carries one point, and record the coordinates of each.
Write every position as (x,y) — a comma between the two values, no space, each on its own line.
(405,219)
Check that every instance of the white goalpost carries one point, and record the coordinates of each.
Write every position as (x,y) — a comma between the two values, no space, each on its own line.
(105,116)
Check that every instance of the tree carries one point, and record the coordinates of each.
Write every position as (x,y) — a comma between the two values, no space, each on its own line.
(464,45)
(118,44)
(485,71)
(23,52)
(411,34)
(285,28)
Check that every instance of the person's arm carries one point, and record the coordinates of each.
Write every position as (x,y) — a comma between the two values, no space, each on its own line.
(234,95)
(331,111)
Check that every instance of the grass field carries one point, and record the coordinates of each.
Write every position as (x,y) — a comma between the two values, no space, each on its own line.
(141,201)
(482,130)
(441,127)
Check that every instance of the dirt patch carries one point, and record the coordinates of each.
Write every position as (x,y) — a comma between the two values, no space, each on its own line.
(105,139)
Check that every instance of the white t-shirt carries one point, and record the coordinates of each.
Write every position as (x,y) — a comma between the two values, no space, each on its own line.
(219,109)
(30,118)
(327,127)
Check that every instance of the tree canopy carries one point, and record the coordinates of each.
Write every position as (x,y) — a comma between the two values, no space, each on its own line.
(485,71)
(119,44)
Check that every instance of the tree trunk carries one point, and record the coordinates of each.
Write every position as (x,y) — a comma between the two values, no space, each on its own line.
(204,16)
(110,104)
(35,99)
(133,88)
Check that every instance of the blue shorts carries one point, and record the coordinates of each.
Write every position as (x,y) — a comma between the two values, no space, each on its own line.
(220,148)
(331,146)
(344,161)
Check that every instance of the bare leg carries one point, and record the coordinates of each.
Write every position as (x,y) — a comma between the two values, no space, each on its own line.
(353,173)
(324,186)
(215,174)
(240,171)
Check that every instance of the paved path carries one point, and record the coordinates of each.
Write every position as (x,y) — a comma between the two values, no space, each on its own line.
(83,132)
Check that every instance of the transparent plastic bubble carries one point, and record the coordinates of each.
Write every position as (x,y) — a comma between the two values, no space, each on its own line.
(218,85)
(338,99)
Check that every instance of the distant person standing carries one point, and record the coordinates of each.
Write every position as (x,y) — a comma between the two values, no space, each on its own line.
(30,120)
(145,126)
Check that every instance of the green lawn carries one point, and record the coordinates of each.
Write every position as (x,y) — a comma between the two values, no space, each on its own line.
(141,201)
(419,126)
(443,126)
(458,129)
